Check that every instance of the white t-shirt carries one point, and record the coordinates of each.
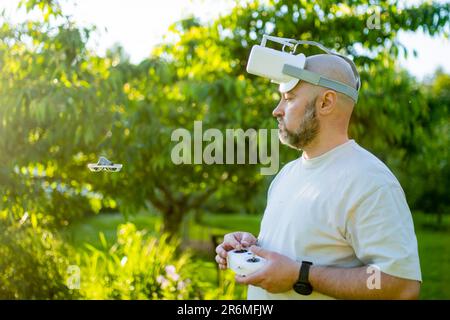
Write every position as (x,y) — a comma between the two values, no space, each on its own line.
(345,209)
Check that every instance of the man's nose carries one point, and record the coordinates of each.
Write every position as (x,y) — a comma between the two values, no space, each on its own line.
(279,110)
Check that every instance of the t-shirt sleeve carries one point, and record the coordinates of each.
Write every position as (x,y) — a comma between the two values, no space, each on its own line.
(381,231)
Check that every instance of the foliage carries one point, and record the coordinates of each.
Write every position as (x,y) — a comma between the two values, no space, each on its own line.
(382,122)
(201,77)
(210,84)
(63,106)
(139,266)
(33,263)
(434,256)
(50,92)
(428,171)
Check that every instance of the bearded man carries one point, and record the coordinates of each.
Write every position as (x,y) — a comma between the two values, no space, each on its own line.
(337,224)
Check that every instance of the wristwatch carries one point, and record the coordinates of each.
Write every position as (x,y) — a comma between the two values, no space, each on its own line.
(302,285)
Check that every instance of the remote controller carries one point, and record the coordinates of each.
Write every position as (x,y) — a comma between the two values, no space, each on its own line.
(244,262)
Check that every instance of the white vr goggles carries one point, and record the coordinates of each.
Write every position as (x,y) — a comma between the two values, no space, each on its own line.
(287,69)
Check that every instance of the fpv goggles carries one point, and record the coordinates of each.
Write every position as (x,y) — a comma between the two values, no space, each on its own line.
(287,69)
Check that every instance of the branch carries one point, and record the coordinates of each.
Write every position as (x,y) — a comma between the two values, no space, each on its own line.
(194,202)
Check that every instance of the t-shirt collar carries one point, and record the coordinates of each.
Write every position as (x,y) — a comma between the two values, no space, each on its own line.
(327,156)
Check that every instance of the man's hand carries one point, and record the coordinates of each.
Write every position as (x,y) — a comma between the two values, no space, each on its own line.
(281,272)
(278,275)
(235,240)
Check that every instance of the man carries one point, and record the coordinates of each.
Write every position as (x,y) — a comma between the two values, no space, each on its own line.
(336,218)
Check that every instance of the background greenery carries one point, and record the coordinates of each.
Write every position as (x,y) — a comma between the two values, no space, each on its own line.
(434,254)
(61,106)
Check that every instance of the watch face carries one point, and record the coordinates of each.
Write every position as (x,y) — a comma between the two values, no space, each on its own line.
(303,288)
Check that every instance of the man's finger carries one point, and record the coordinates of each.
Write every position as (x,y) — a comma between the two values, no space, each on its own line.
(222,249)
(220,260)
(253,279)
(242,280)
(248,239)
(230,240)
(260,251)
(226,246)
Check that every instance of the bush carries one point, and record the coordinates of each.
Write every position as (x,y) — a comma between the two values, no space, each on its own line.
(33,263)
(139,266)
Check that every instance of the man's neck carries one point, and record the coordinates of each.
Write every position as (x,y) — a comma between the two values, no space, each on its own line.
(324,143)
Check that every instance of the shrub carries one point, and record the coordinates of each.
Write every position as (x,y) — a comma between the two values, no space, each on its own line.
(33,263)
(138,266)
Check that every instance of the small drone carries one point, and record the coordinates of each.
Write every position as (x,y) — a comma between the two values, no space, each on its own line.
(104,164)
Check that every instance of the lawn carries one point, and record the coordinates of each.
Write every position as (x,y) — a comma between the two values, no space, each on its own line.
(433,244)
(434,252)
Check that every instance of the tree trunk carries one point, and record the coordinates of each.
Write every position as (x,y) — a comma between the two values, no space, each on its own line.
(174,208)
(172,218)
(439,220)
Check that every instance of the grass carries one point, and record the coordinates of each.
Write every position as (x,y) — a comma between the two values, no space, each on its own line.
(87,230)
(434,244)
(434,253)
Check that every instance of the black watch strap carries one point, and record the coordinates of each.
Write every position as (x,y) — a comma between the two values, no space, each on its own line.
(304,271)
(302,286)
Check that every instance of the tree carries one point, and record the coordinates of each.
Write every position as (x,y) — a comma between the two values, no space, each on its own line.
(62,106)
(53,102)
(427,170)
(50,91)
(201,76)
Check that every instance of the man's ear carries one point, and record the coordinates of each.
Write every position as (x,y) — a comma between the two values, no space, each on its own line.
(326,102)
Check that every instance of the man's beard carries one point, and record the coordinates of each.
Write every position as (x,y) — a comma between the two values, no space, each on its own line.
(306,132)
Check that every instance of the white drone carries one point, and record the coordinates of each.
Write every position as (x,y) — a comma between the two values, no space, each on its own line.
(104,164)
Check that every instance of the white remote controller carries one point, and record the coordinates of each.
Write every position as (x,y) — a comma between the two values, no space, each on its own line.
(244,262)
